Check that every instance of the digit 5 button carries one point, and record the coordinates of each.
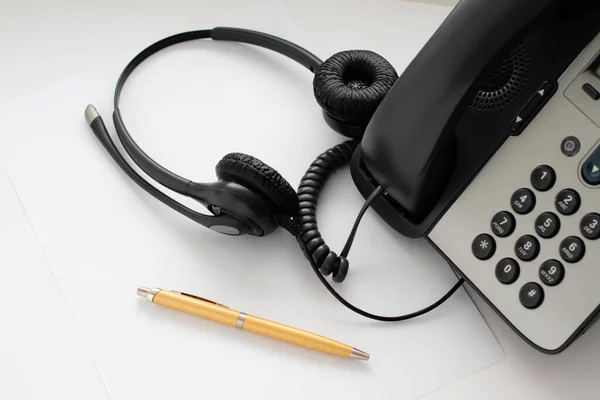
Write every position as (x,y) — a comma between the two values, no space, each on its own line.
(547,225)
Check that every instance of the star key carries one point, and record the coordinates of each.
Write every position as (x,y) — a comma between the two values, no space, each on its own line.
(483,247)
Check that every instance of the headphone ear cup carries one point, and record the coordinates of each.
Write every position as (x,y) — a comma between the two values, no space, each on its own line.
(350,85)
(261,178)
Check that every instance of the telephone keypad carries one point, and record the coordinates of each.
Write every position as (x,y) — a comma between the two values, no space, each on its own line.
(568,202)
(543,178)
(590,226)
(552,272)
(503,224)
(572,249)
(523,201)
(547,225)
(527,248)
(540,296)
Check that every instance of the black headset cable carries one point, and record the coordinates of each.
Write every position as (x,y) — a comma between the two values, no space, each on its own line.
(322,260)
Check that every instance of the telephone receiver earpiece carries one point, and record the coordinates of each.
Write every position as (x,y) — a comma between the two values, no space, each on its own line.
(349,86)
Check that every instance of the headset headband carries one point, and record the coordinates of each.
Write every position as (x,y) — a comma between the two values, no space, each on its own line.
(148,165)
(153,169)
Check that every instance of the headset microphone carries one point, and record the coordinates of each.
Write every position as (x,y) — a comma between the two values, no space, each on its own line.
(221,222)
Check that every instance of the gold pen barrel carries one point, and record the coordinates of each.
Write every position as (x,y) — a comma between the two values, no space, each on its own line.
(219,313)
(296,336)
(203,309)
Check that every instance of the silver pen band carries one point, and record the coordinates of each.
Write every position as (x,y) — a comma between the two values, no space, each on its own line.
(240,320)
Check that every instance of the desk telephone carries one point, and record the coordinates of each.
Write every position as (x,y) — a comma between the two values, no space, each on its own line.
(488,145)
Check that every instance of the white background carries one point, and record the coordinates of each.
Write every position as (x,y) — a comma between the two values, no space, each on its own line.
(46,42)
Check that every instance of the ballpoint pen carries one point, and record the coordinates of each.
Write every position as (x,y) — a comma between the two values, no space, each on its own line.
(208,309)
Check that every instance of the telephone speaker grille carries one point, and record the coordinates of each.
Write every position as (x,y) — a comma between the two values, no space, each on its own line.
(506,83)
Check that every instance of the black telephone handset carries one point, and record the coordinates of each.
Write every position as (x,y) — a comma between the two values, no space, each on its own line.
(409,148)
(417,145)
(488,146)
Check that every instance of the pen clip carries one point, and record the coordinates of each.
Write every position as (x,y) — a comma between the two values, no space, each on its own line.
(202,299)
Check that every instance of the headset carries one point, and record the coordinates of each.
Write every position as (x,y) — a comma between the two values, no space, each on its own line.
(251,198)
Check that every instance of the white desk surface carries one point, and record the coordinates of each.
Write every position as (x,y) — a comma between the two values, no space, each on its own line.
(33,33)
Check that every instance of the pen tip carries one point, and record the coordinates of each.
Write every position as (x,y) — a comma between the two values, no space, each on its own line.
(359,355)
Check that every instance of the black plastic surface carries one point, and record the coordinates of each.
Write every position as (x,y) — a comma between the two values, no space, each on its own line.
(533,106)
(237,200)
(409,144)
(270,42)
(351,131)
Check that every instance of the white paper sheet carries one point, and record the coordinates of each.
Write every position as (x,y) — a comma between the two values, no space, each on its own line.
(42,352)
(103,236)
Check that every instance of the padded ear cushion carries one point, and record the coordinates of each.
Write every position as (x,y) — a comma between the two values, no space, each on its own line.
(350,85)
(258,176)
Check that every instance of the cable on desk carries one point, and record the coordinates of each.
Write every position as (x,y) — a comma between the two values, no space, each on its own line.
(305,228)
